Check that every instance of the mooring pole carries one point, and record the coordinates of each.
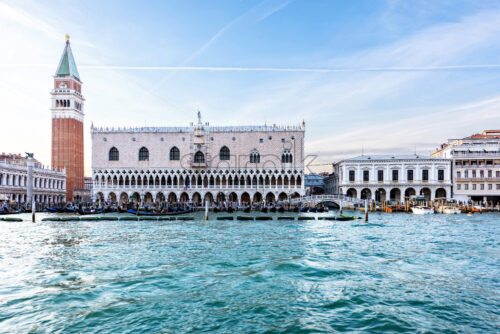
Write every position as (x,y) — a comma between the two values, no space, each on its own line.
(366,210)
(340,210)
(206,210)
(33,210)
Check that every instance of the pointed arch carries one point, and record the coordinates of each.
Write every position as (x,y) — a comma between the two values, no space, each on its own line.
(114,154)
(143,154)
(224,153)
(254,157)
(199,157)
(175,154)
(286,157)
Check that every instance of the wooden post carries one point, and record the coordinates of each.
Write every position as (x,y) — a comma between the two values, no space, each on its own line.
(340,211)
(366,210)
(206,210)
(33,210)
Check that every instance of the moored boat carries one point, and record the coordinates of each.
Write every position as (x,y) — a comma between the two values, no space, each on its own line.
(421,210)
(448,210)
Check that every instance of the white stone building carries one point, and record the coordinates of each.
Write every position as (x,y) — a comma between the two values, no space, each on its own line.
(476,166)
(198,163)
(393,177)
(48,185)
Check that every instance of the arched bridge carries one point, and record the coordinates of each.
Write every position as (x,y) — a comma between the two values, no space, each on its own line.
(328,200)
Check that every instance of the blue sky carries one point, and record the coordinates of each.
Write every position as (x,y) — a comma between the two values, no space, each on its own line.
(408,74)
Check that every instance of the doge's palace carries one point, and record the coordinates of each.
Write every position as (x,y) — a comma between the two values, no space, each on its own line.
(198,163)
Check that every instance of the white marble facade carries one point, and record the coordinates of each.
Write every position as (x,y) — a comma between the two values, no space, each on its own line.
(393,177)
(49,186)
(197,163)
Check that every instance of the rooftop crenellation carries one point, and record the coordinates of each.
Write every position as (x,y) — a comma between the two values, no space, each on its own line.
(249,128)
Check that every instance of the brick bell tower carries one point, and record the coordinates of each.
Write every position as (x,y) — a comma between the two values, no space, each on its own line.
(67,122)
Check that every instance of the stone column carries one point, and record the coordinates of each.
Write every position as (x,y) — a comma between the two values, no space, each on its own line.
(29,187)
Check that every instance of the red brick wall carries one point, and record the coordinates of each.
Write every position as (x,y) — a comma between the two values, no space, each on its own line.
(67,152)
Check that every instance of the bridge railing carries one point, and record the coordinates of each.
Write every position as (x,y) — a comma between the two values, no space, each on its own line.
(324,198)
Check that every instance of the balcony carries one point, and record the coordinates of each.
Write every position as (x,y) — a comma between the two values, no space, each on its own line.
(477,166)
(477,179)
(198,164)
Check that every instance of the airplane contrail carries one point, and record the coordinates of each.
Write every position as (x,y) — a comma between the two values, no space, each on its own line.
(295,69)
(273,69)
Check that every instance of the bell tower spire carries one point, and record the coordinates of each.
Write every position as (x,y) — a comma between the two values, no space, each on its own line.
(67,121)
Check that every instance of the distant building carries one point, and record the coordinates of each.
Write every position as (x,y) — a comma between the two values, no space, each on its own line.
(67,122)
(49,185)
(85,194)
(330,184)
(198,163)
(393,177)
(313,184)
(476,166)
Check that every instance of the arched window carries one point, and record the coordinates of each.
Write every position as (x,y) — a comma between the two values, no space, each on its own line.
(199,157)
(286,156)
(175,154)
(254,157)
(114,155)
(224,153)
(143,154)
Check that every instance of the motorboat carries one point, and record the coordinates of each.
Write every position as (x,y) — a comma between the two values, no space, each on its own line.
(421,210)
(448,210)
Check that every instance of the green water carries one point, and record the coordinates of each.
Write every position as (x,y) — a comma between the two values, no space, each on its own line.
(396,273)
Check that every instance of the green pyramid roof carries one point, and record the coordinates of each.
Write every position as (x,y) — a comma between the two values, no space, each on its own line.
(67,65)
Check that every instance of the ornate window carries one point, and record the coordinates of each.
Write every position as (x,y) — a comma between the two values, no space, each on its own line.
(286,156)
(224,153)
(254,157)
(199,157)
(175,154)
(114,154)
(143,154)
(352,177)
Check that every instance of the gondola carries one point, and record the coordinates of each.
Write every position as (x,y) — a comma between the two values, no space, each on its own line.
(69,209)
(272,209)
(304,209)
(247,209)
(263,209)
(281,209)
(296,209)
(121,209)
(230,209)
(216,209)
(88,211)
(7,212)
